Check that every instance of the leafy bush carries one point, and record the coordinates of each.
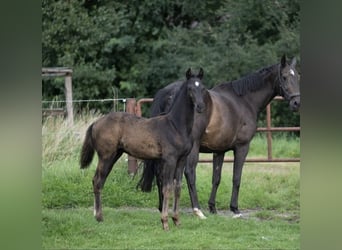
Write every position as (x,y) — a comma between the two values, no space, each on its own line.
(137,47)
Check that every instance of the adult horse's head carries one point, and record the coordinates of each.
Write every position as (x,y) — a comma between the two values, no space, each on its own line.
(289,83)
(196,89)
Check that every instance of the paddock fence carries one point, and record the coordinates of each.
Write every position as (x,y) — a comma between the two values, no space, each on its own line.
(135,107)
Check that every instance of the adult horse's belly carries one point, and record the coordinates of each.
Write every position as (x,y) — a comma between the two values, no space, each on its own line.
(212,141)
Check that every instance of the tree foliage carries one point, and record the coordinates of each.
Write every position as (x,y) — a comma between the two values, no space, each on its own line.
(136,47)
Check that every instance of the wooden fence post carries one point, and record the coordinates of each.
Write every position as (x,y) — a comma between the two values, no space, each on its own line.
(68,95)
(132,162)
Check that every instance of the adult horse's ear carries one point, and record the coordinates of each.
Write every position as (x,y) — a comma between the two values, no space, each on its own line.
(293,62)
(200,74)
(283,61)
(188,74)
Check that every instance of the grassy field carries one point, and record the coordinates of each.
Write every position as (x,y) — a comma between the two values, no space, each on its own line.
(269,200)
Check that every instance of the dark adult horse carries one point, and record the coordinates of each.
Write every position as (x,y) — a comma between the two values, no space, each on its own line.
(229,123)
(165,138)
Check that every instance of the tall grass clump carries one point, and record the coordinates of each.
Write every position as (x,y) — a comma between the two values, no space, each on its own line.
(60,141)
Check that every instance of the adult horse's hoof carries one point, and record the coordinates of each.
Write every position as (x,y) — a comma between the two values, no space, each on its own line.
(199,213)
(212,209)
(235,210)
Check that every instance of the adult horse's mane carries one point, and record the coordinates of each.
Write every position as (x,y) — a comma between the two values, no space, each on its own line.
(169,92)
(249,83)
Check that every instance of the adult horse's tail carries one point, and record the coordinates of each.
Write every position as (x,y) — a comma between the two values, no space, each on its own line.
(147,177)
(88,151)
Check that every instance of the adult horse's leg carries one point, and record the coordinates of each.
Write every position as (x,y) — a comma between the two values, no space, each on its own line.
(216,179)
(190,175)
(103,169)
(240,154)
(160,191)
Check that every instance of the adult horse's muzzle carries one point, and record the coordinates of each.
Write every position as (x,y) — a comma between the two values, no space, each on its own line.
(295,103)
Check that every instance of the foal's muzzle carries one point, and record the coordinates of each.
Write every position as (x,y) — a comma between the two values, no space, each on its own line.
(200,107)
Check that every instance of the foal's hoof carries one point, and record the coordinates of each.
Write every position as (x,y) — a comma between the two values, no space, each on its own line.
(99,218)
(176,221)
(165,224)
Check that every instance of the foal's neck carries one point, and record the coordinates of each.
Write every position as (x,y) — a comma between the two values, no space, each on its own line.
(182,112)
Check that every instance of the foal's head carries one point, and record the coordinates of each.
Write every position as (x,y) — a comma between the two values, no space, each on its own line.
(289,83)
(196,89)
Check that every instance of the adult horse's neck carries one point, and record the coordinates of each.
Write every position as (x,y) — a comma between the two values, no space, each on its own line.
(182,111)
(267,90)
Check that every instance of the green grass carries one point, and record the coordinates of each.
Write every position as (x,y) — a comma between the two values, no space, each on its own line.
(269,200)
(126,228)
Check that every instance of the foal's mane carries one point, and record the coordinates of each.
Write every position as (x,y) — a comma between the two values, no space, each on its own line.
(251,82)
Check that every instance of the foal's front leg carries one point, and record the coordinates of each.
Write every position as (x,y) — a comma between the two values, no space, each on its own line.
(166,196)
(177,191)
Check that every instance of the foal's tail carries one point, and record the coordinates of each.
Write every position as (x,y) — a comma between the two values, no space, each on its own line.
(147,177)
(88,151)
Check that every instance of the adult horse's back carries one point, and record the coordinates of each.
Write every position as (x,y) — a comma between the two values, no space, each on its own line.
(231,123)
(166,138)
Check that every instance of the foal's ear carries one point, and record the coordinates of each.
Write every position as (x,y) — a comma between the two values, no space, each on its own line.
(293,62)
(200,73)
(188,74)
(283,61)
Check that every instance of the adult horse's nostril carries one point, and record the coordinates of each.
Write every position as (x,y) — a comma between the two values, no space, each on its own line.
(295,104)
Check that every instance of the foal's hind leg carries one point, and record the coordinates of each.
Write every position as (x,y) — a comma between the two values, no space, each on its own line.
(167,176)
(103,169)
(167,187)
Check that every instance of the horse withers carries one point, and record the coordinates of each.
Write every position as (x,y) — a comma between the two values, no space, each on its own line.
(229,123)
(166,138)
